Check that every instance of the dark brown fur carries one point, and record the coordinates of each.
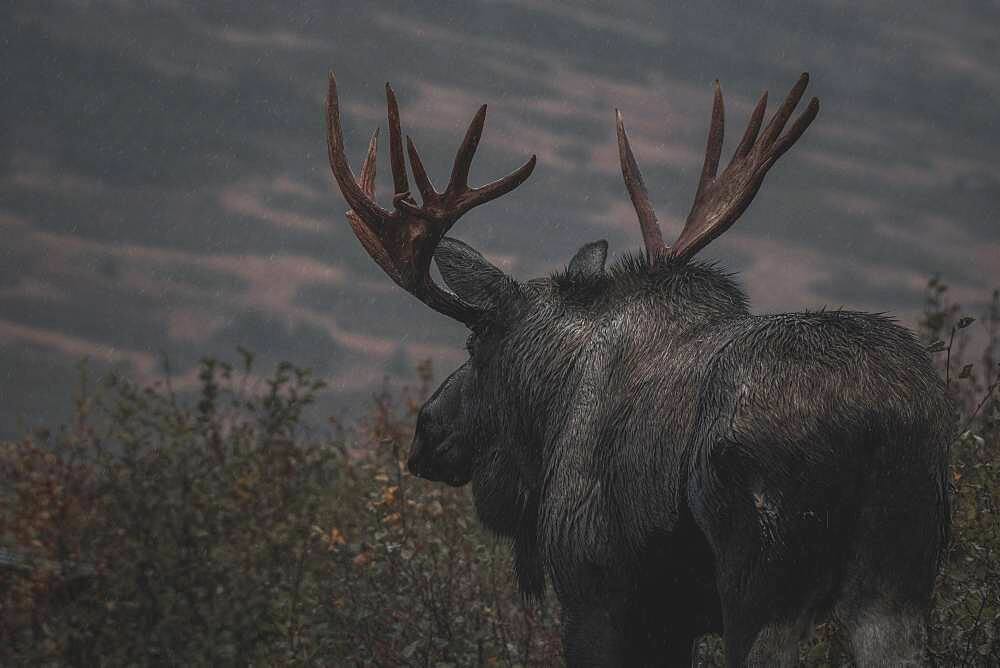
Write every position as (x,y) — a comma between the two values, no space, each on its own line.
(676,465)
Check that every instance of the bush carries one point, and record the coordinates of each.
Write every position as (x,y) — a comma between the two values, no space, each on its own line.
(415,580)
(193,525)
(222,531)
(965,620)
(219,529)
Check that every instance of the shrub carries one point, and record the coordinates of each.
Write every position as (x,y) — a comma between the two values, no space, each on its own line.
(218,528)
(193,523)
(221,530)
(965,620)
(414,579)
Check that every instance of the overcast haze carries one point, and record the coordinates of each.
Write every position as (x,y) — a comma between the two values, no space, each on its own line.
(164,186)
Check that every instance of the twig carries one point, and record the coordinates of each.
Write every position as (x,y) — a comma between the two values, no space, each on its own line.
(947,363)
(989,392)
(972,632)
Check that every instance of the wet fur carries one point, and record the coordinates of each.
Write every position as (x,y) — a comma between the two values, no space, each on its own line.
(676,465)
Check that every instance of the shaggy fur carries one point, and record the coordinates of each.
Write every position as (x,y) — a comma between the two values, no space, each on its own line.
(676,465)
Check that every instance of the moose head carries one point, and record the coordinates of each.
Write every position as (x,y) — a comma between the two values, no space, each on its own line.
(659,453)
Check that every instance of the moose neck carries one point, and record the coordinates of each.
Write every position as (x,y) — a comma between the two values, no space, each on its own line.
(584,328)
(634,325)
(591,348)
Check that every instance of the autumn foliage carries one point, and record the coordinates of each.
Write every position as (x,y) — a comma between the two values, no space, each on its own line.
(219,527)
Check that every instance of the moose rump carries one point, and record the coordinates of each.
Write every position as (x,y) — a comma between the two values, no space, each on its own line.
(816,472)
(722,472)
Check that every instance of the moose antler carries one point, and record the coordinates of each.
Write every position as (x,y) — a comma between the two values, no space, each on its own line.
(402,241)
(719,201)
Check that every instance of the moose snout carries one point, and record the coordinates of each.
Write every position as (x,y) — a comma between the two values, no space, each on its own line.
(425,458)
(445,461)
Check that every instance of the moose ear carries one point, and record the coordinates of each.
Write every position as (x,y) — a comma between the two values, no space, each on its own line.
(469,274)
(589,260)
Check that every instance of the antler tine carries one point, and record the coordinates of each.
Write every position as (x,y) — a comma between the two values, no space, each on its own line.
(366,216)
(399,181)
(721,200)
(467,151)
(797,129)
(753,127)
(424,184)
(652,237)
(458,198)
(367,180)
(364,206)
(716,134)
(784,112)
(498,188)
(362,231)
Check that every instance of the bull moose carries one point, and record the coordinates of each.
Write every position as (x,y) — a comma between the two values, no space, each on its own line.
(672,463)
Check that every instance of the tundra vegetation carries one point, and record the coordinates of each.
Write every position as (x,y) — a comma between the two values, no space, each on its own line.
(223,527)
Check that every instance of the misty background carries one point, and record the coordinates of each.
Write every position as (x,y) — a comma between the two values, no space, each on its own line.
(164,187)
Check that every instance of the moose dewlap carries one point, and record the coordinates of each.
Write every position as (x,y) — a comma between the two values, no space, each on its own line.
(672,463)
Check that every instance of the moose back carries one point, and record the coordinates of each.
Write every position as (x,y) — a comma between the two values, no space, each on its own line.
(672,463)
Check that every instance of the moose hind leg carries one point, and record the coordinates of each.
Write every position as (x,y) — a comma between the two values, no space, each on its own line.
(882,638)
(882,605)
(887,586)
(592,636)
(775,644)
(769,605)
(773,558)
